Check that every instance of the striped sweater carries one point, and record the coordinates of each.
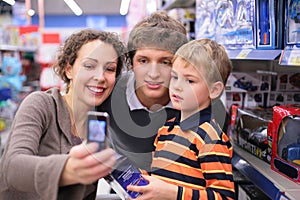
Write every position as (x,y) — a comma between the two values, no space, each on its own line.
(196,156)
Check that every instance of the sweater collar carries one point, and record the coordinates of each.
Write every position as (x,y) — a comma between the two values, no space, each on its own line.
(63,115)
(196,119)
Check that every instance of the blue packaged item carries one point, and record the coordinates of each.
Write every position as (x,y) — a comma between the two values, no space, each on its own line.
(264,24)
(5,93)
(123,175)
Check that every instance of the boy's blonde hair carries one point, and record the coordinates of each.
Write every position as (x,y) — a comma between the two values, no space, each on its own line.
(209,57)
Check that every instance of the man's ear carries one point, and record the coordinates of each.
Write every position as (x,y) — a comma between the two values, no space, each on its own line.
(69,71)
(216,90)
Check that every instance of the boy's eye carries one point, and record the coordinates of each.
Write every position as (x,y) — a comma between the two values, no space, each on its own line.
(190,81)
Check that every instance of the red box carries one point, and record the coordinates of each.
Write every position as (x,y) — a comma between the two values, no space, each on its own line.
(285,130)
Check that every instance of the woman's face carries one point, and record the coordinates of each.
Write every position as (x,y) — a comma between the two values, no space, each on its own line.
(93,74)
(152,74)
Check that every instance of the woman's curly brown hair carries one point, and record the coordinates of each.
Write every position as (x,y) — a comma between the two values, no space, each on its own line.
(68,53)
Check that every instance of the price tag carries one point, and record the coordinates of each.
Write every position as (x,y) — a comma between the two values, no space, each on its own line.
(294,58)
(243,54)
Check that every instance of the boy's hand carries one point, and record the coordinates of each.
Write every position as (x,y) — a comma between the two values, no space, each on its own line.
(156,189)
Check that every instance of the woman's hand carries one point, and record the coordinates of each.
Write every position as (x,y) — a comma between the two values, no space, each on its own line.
(85,165)
(156,189)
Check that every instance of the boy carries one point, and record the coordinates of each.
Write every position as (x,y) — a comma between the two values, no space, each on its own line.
(192,159)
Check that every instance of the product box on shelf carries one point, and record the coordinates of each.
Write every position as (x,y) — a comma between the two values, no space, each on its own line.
(268,31)
(292,25)
(292,97)
(229,22)
(248,89)
(234,94)
(249,130)
(285,131)
(276,98)
(288,81)
(256,99)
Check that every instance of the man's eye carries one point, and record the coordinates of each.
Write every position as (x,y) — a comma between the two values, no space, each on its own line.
(167,62)
(142,61)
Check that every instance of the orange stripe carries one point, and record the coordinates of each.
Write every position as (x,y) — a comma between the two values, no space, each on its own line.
(177,167)
(177,149)
(221,184)
(213,134)
(187,193)
(216,166)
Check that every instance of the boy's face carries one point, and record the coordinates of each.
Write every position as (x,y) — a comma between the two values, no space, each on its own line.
(152,74)
(188,89)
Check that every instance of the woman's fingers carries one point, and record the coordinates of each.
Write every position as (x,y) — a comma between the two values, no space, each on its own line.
(84,149)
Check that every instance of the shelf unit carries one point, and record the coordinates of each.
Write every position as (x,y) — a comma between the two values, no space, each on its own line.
(6,47)
(260,173)
(253,54)
(178,4)
(266,61)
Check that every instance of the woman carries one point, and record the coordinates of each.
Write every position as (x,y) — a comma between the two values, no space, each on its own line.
(44,156)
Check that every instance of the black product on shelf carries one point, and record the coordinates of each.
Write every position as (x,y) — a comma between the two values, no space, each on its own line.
(250,192)
(250,131)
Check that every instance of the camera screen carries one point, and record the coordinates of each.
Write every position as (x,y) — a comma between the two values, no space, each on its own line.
(97,130)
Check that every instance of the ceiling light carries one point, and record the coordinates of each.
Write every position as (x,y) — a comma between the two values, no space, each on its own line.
(10,2)
(30,12)
(124,7)
(74,7)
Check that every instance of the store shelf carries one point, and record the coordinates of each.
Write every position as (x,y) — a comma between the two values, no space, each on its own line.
(290,56)
(260,173)
(178,4)
(253,54)
(7,47)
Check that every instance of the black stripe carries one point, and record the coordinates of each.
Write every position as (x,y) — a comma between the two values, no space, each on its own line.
(224,193)
(174,138)
(221,142)
(195,195)
(180,140)
(179,194)
(203,134)
(219,176)
(210,194)
(215,158)
(176,158)
(228,144)
(179,177)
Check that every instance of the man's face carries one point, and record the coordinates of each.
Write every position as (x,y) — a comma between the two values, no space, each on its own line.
(152,69)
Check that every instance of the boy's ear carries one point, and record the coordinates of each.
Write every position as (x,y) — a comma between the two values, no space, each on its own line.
(216,89)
